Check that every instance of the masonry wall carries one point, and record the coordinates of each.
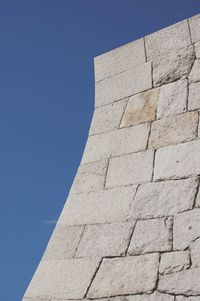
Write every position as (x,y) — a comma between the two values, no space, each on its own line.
(130,229)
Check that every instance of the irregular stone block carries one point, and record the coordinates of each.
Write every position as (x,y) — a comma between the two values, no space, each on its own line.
(195,72)
(173,130)
(107,118)
(141,108)
(172,99)
(197,50)
(168,39)
(164,198)
(106,206)
(183,298)
(119,60)
(194,23)
(105,240)
(130,140)
(172,262)
(90,177)
(184,282)
(62,278)
(186,228)
(195,253)
(63,242)
(194,97)
(160,297)
(123,84)
(154,235)
(172,67)
(130,169)
(135,274)
(177,161)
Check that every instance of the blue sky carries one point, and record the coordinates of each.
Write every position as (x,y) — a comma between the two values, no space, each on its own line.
(46,104)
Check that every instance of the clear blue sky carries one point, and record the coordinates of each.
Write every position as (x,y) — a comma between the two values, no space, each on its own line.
(46,103)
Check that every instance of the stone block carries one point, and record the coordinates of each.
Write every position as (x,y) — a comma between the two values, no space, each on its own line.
(198,200)
(130,169)
(154,235)
(195,253)
(197,50)
(183,298)
(141,108)
(172,99)
(143,297)
(174,130)
(164,198)
(195,72)
(169,68)
(186,228)
(177,161)
(105,240)
(119,60)
(123,276)
(67,279)
(168,39)
(194,97)
(106,206)
(123,85)
(194,23)
(160,297)
(172,262)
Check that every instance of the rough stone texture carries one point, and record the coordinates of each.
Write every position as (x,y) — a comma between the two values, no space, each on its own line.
(90,177)
(36,299)
(194,23)
(106,206)
(153,235)
(135,274)
(130,169)
(184,282)
(130,140)
(182,298)
(195,253)
(195,72)
(107,118)
(105,240)
(64,242)
(194,97)
(172,262)
(168,39)
(186,228)
(173,130)
(177,161)
(141,108)
(124,84)
(198,200)
(172,67)
(197,50)
(172,99)
(144,297)
(119,59)
(62,278)
(164,198)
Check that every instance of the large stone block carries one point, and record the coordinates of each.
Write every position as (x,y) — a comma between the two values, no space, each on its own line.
(194,97)
(106,206)
(177,161)
(172,262)
(130,169)
(168,39)
(119,60)
(195,72)
(197,50)
(123,84)
(195,253)
(123,276)
(194,23)
(164,198)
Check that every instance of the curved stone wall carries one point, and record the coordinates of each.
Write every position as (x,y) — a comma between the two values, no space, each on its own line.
(130,229)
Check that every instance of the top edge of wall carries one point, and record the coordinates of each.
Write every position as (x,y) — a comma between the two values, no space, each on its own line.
(166,40)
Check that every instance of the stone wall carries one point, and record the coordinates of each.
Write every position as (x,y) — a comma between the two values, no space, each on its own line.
(130,229)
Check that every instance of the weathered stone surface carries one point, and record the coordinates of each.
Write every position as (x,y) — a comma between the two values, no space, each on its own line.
(168,39)
(186,228)
(106,206)
(172,262)
(173,130)
(195,72)
(152,235)
(119,59)
(172,67)
(194,23)
(105,240)
(64,242)
(194,96)
(172,99)
(90,177)
(141,108)
(197,50)
(130,140)
(62,278)
(182,298)
(36,299)
(195,253)
(163,198)
(143,297)
(160,297)
(130,169)
(184,282)
(135,274)
(198,200)
(107,118)
(124,84)
(177,161)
